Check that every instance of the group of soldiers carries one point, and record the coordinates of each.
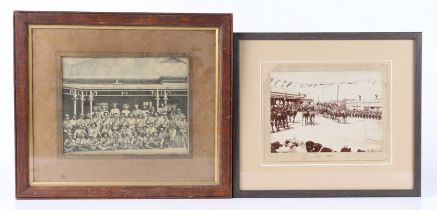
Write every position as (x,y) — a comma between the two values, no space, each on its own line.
(137,128)
(355,113)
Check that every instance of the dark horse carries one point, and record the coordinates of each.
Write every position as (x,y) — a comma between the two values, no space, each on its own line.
(278,118)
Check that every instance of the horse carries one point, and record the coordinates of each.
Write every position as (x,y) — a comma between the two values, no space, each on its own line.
(278,118)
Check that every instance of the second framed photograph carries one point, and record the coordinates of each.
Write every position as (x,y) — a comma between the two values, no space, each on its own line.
(326,114)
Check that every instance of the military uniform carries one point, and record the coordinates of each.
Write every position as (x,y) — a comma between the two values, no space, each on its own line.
(115,111)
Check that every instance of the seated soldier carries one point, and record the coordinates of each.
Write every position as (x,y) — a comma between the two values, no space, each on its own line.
(107,129)
(151,128)
(105,143)
(154,140)
(123,141)
(115,139)
(142,139)
(93,131)
(163,138)
(69,143)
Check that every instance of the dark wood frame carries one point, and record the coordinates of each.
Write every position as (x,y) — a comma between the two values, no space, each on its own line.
(22,19)
(415,192)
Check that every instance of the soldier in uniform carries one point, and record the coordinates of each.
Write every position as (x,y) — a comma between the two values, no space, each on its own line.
(142,139)
(73,122)
(155,140)
(125,130)
(163,136)
(97,119)
(152,111)
(106,120)
(178,114)
(105,142)
(115,110)
(125,110)
(136,110)
(115,139)
(115,122)
(69,143)
(68,126)
(172,125)
(107,129)
(151,119)
(159,120)
(81,138)
(124,140)
(148,141)
(183,129)
(122,119)
(93,132)
(151,128)
(96,111)
(87,119)
(81,121)
(131,121)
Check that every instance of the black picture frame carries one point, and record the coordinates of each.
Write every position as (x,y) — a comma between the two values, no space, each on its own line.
(414,192)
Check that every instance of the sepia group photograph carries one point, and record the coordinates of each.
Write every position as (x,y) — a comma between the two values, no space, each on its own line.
(125,105)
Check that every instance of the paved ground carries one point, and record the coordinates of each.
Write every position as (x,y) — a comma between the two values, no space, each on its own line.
(365,134)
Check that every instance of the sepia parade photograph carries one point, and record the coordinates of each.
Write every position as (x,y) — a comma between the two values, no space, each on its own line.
(125,105)
(328,108)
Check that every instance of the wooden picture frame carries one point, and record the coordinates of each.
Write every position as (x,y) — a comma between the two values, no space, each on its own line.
(268,39)
(220,26)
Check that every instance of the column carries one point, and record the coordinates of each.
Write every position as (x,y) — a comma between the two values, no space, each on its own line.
(157,99)
(91,98)
(74,99)
(165,100)
(82,99)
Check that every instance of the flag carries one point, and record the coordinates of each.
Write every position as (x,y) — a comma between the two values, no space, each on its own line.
(276,83)
(289,83)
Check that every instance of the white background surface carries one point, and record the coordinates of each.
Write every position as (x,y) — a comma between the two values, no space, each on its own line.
(249,16)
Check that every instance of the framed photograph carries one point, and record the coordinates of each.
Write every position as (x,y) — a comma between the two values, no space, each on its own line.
(326,114)
(122,105)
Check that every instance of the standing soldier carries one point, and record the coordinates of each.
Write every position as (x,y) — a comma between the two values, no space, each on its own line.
(96,111)
(125,110)
(115,110)
(136,110)
(183,129)
(131,121)
(172,130)
(115,122)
